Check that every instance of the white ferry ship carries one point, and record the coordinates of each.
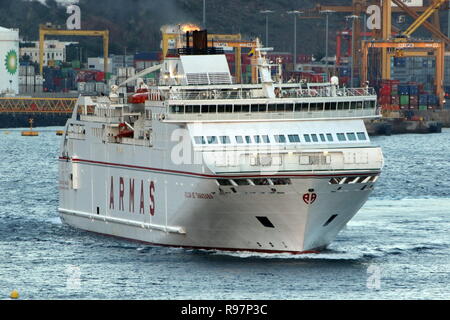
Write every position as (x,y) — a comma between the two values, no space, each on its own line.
(200,162)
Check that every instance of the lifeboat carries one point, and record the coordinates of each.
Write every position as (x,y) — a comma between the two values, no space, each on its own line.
(125,131)
(139,97)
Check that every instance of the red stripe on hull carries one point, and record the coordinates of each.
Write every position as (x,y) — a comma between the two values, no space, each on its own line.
(207,175)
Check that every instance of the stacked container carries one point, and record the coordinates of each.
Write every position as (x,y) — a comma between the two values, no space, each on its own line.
(394,95)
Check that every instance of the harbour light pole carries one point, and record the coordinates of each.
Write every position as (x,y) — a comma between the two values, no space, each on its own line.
(295,13)
(353,18)
(267,12)
(204,14)
(327,13)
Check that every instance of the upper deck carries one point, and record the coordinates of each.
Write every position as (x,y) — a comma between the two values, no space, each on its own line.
(248,102)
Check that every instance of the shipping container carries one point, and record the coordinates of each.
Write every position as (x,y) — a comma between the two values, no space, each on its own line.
(413,90)
(404,100)
(403,90)
(395,100)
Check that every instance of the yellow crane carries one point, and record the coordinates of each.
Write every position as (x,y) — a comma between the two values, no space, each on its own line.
(45,31)
(427,13)
(403,46)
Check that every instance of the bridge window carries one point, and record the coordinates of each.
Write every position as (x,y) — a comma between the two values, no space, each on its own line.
(237,108)
(239,140)
(200,140)
(330,137)
(353,105)
(245,108)
(248,139)
(280,138)
(330,106)
(281,108)
(369,104)
(307,137)
(294,138)
(343,105)
(225,140)
(266,139)
(301,107)
(341,137)
(196,109)
(314,138)
(351,136)
(362,136)
(189,109)
(289,107)
(272,108)
(322,137)
(359,105)
(177,109)
(257,139)
(212,140)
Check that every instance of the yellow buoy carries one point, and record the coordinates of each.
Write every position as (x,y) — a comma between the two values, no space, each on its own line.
(30,133)
(59,132)
(14,294)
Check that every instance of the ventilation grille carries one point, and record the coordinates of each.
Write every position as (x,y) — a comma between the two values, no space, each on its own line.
(219,78)
(208,78)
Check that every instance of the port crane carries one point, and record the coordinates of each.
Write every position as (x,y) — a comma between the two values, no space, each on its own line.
(403,45)
(45,30)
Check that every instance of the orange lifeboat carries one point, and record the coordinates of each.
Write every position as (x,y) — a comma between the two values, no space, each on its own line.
(124,131)
(139,97)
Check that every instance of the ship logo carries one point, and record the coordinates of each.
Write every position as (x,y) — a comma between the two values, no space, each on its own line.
(309,198)
(11,62)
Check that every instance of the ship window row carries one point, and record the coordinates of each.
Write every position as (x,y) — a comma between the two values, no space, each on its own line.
(254,182)
(279,107)
(281,138)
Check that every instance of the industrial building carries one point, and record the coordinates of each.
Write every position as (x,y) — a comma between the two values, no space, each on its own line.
(54,50)
(9,61)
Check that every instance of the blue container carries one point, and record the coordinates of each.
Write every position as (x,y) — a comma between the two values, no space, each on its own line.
(423,99)
(433,100)
(403,90)
(400,62)
(413,90)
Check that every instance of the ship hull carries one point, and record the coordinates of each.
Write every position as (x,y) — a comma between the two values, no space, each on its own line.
(182,209)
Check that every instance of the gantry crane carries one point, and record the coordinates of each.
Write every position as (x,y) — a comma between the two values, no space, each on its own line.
(358,7)
(45,31)
(226,40)
(404,46)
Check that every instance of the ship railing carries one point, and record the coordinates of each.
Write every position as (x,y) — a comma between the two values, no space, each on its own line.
(236,94)
(363,113)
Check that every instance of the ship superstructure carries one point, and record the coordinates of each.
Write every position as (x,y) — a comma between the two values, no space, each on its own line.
(198,161)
